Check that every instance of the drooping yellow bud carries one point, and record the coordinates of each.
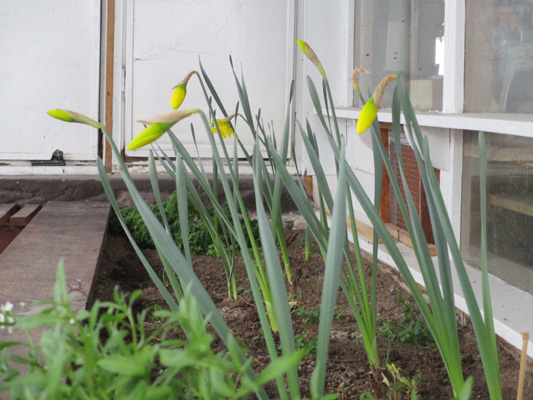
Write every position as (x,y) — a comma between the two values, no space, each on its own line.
(158,126)
(311,55)
(367,115)
(180,91)
(149,134)
(178,96)
(61,115)
(72,116)
(370,109)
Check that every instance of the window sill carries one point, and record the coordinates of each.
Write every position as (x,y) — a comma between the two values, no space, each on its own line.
(510,305)
(510,124)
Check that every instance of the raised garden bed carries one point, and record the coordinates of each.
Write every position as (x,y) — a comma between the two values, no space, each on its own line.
(403,340)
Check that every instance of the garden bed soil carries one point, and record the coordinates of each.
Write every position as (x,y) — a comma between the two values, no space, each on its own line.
(347,369)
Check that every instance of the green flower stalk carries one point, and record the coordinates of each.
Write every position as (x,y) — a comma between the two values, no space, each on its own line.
(180,91)
(159,125)
(370,109)
(311,55)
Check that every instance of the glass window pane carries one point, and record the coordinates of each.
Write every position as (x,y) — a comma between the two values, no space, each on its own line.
(509,207)
(499,56)
(402,36)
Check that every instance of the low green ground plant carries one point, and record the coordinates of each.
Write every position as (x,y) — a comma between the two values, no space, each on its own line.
(104,353)
(410,327)
(309,316)
(200,237)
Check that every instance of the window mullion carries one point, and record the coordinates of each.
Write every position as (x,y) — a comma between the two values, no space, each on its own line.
(454,56)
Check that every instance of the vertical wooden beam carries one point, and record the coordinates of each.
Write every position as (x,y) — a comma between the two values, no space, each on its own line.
(385,189)
(110,51)
(308,182)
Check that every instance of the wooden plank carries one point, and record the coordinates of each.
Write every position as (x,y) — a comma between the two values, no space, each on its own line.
(6,211)
(8,233)
(110,59)
(23,216)
(393,230)
(72,231)
(406,239)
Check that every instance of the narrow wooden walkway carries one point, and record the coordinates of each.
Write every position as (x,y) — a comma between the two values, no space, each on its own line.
(72,231)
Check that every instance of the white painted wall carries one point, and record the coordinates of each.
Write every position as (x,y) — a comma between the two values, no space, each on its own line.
(50,58)
(328,27)
(169,37)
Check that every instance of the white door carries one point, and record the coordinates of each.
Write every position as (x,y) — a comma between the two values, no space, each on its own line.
(49,58)
(167,39)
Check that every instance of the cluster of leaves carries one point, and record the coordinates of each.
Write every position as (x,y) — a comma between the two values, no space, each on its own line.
(200,239)
(71,361)
(410,328)
(398,386)
(308,316)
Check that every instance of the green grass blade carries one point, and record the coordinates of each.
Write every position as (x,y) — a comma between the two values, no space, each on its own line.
(155,189)
(331,281)
(277,282)
(212,89)
(183,206)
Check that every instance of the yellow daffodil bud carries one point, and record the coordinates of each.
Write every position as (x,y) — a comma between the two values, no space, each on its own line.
(157,126)
(180,91)
(61,115)
(72,116)
(367,115)
(370,109)
(311,55)
(149,134)
(178,95)
(226,131)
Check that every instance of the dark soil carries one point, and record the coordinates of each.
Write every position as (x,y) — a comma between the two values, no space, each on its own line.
(348,369)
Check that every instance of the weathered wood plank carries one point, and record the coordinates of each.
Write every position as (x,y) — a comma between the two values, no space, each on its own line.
(6,210)
(72,231)
(23,216)
(8,233)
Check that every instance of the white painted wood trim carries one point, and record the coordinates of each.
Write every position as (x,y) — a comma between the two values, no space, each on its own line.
(49,170)
(291,53)
(292,62)
(103,57)
(454,56)
(95,108)
(349,47)
(127,70)
(119,83)
(508,124)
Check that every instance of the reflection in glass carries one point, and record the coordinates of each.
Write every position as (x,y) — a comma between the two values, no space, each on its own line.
(509,206)
(499,56)
(402,36)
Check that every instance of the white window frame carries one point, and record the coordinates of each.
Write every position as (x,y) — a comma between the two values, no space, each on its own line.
(512,303)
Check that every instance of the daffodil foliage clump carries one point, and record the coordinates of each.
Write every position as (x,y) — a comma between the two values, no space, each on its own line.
(200,236)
